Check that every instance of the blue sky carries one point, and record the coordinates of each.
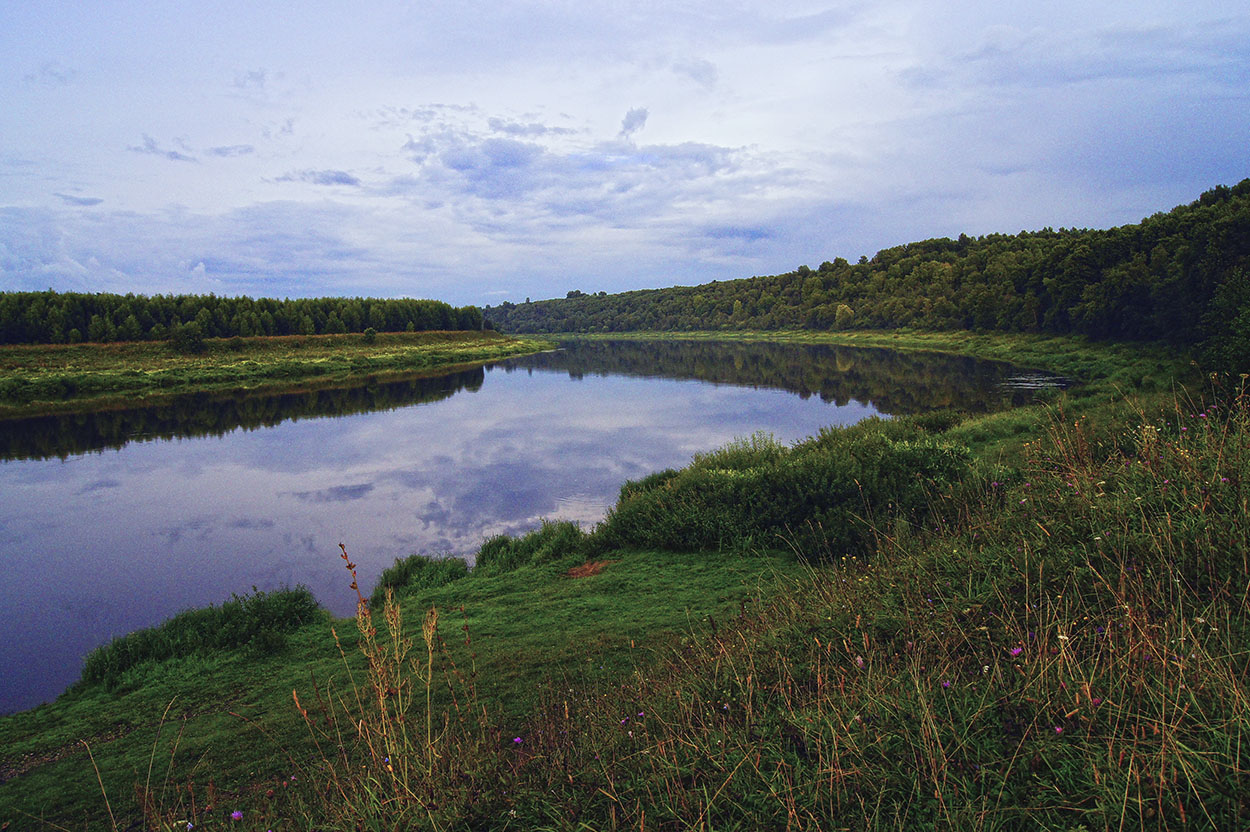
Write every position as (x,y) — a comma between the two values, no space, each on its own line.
(478,152)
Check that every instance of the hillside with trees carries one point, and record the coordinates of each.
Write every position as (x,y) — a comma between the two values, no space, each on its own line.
(1181,277)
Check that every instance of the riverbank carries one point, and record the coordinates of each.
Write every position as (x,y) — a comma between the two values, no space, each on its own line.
(38,380)
(1008,662)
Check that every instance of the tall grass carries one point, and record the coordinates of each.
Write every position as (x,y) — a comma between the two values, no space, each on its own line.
(258,622)
(813,497)
(1067,650)
(417,572)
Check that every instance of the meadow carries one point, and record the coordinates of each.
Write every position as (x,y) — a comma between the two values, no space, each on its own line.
(1026,620)
(39,379)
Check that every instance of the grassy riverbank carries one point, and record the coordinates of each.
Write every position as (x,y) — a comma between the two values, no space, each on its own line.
(43,379)
(1053,634)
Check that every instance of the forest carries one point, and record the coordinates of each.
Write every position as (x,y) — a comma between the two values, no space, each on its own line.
(71,317)
(1181,277)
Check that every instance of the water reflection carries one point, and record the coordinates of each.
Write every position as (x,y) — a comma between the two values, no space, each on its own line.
(895,382)
(202,414)
(98,544)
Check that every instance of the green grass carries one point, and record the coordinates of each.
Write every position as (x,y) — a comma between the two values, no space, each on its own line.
(43,379)
(232,713)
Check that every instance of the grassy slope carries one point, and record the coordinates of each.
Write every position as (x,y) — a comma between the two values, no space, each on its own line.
(39,379)
(233,711)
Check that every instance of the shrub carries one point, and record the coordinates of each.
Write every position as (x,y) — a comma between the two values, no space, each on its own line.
(820,497)
(187,338)
(552,541)
(256,621)
(417,572)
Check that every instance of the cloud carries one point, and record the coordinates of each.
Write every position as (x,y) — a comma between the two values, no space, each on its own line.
(151,148)
(321,177)
(702,72)
(335,494)
(227,151)
(634,121)
(513,128)
(51,74)
(732,232)
(100,485)
(252,79)
(85,201)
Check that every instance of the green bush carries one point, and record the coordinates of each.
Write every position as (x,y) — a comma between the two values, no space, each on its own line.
(257,621)
(417,572)
(554,540)
(821,497)
(187,338)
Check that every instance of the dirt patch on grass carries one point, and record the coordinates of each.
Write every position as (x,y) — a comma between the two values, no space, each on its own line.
(587,569)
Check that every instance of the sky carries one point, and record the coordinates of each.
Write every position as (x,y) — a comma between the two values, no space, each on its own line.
(479,152)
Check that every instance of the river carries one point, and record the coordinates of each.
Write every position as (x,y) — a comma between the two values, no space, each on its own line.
(114,521)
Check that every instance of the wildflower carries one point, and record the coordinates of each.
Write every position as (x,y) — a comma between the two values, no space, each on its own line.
(517,740)
(236,815)
(1058,729)
(1015,651)
(946,683)
(859,661)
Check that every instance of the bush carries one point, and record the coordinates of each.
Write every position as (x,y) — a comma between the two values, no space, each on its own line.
(553,541)
(257,621)
(820,497)
(187,338)
(417,572)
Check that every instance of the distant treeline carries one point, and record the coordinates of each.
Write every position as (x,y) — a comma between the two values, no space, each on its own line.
(69,317)
(1181,277)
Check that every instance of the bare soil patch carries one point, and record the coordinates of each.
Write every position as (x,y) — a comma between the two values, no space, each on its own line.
(587,569)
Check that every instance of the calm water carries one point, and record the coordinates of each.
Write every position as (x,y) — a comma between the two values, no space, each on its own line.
(111,522)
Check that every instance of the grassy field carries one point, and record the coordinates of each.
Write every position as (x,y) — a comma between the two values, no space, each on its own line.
(1056,639)
(42,379)
(228,715)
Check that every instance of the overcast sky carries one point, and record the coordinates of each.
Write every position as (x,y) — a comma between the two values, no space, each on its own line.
(478,151)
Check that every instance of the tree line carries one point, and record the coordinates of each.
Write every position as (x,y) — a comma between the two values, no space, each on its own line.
(71,317)
(1181,277)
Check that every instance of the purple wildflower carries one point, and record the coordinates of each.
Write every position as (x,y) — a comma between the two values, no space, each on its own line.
(236,815)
